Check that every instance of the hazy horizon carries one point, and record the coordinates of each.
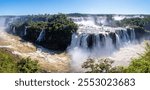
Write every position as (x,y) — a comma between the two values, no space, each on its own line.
(74,13)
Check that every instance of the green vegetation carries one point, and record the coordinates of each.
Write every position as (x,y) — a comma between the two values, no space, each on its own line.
(7,62)
(101,66)
(137,65)
(140,25)
(141,64)
(10,63)
(28,66)
(135,22)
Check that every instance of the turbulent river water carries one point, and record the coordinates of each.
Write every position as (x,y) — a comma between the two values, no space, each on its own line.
(49,60)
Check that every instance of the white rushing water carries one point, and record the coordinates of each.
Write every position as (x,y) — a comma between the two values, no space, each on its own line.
(25,31)
(95,39)
(41,36)
(14,30)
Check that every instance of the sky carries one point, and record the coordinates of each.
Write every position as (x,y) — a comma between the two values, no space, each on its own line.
(28,7)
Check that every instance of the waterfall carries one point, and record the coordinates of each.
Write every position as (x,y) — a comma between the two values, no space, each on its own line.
(132,35)
(95,45)
(74,40)
(101,43)
(14,30)
(118,43)
(41,36)
(84,43)
(25,31)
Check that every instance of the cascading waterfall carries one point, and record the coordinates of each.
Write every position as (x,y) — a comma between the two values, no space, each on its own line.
(102,42)
(41,36)
(132,35)
(94,41)
(87,45)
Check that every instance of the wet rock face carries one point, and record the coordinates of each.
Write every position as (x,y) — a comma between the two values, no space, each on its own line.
(32,35)
(140,32)
(147,27)
(91,40)
(51,40)
(112,35)
(102,39)
(129,33)
(56,40)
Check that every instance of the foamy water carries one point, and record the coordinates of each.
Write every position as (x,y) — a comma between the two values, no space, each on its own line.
(126,54)
(122,57)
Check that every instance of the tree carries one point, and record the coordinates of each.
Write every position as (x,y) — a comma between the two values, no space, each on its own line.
(99,66)
(28,66)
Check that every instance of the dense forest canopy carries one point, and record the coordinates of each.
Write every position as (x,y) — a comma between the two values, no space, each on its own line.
(140,22)
(57,30)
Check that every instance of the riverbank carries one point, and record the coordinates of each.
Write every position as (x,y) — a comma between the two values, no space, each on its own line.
(50,61)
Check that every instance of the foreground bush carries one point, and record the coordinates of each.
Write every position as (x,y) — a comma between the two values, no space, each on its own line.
(141,64)
(10,63)
(28,66)
(7,62)
(99,66)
